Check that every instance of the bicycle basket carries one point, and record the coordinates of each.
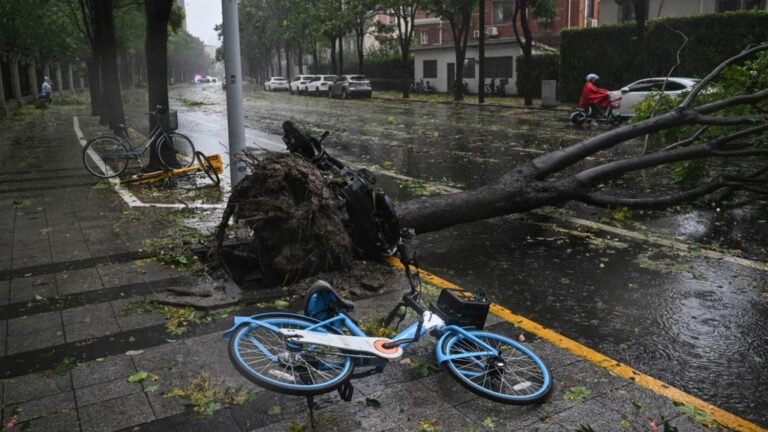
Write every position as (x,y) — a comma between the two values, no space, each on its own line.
(169,121)
(461,308)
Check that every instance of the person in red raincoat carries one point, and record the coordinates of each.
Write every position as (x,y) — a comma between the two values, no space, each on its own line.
(592,94)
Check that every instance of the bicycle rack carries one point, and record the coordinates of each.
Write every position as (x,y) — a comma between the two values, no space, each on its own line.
(156,176)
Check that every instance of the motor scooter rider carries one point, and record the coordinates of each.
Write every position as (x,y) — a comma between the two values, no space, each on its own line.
(592,94)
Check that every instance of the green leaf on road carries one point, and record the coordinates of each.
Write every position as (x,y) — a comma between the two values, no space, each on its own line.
(151,388)
(141,376)
(274,410)
(373,403)
(281,304)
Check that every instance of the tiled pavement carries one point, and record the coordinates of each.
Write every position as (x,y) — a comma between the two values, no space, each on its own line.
(65,360)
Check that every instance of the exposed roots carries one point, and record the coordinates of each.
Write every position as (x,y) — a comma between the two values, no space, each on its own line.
(293,219)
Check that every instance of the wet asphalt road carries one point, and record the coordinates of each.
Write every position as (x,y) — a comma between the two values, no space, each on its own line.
(697,323)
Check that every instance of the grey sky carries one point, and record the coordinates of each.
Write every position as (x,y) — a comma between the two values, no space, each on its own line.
(202,15)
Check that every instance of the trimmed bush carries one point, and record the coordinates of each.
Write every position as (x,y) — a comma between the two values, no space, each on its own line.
(613,52)
(542,67)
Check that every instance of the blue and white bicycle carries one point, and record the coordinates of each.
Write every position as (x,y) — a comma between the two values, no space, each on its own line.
(318,352)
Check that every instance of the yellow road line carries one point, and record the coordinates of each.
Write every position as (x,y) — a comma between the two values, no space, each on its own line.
(719,415)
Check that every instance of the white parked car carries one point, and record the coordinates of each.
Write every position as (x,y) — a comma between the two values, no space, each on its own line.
(276,83)
(638,90)
(299,83)
(321,84)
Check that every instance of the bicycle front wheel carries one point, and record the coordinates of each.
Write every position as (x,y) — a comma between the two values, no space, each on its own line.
(176,152)
(270,360)
(105,156)
(514,376)
(208,168)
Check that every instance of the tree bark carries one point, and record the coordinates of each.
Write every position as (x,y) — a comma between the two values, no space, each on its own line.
(481,53)
(3,109)
(112,112)
(288,63)
(71,78)
(359,39)
(16,81)
(59,78)
(334,65)
(341,55)
(315,60)
(32,71)
(158,13)
(301,60)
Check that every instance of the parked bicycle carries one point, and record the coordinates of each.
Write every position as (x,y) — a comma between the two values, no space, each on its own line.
(319,351)
(108,155)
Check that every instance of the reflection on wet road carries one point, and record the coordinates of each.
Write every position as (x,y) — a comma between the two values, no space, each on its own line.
(698,323)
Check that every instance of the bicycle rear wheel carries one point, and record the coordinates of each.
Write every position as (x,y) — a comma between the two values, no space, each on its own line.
(176,152)
(208,168)
(270,360)
(514,376)
(105,156)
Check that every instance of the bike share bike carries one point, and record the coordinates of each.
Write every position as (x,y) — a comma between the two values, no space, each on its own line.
(323,349)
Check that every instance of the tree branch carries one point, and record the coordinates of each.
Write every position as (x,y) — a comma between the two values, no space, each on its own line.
(717,71)
(602,200)
(730,121)
(685,142)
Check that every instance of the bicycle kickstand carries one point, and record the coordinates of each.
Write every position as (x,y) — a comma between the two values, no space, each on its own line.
(311,406)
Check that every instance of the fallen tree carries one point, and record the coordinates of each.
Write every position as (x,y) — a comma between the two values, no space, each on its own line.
(724,117)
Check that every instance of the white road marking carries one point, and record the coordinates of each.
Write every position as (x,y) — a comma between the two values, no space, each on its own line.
(124,193)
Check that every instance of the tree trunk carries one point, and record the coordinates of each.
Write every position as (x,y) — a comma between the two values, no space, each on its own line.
(360,38)
(16,81)
(288,63)
(32,71)
(158,13)
(59,78)
(70,77)
(481,53)
(406,73)
(279,62)
(47,71)
(333,56)
(527,54)
(3,109)
(341,55)
(112,112)
(301,60)
(315,60)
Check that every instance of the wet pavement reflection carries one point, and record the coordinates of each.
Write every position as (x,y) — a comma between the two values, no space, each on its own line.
(697,323)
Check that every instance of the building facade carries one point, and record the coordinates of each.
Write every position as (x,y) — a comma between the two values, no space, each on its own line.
(614,13)
(435,59)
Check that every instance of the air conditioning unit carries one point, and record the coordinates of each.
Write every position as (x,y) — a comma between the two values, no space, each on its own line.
(492,31)
(591,22)
(476,34)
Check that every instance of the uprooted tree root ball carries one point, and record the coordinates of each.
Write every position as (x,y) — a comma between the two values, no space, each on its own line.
(294,221)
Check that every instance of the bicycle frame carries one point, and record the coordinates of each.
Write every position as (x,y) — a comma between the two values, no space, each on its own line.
(154,138)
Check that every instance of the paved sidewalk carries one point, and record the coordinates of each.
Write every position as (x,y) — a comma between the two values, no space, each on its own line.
(74,267)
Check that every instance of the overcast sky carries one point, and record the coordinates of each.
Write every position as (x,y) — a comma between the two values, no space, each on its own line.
(202,15)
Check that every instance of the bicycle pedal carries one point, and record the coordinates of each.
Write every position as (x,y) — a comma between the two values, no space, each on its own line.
(345,391)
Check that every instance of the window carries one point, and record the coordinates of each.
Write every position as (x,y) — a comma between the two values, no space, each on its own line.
(732,5)
(424,38)
(430,69)
(502,11)
(469,68)
(499,67)
(591,9)
(627,11)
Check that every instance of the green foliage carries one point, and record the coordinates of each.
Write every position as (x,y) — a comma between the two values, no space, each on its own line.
(613,53)
(429,425)
(205,396)
(577,394)
(540,67)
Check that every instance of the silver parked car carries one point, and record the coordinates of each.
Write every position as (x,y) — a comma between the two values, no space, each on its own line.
(347,86)
(299,83)
(321,84)
(276,83)
(638,90)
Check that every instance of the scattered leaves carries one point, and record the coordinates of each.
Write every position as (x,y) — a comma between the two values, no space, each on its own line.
(142,376)
(205,396)
(577,394)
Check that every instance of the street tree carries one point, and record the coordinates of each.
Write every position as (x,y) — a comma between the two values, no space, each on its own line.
(723,118)
(404,12)
(521,22)
(364,13)
(458,13)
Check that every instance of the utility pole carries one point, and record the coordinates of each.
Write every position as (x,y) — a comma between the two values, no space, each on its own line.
(234,80)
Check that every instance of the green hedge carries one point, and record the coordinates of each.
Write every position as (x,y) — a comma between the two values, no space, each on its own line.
(543,67)
(613,52)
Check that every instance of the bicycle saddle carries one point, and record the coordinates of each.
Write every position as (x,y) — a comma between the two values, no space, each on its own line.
(323,302)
